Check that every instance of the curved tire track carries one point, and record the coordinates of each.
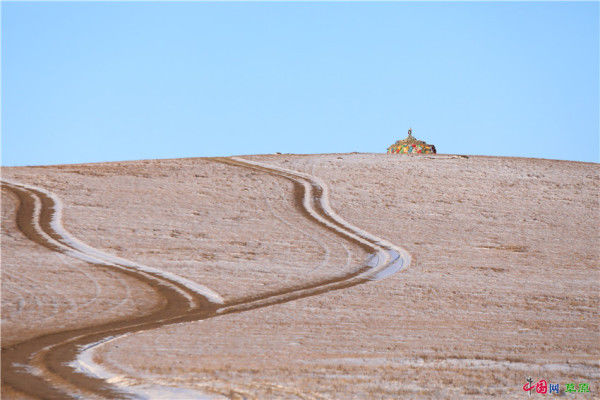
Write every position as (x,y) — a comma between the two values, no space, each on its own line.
(38,217)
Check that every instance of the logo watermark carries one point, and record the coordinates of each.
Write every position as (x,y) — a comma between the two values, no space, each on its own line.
(544,387)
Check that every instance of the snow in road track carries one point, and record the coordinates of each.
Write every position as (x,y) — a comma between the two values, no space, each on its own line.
(386,259)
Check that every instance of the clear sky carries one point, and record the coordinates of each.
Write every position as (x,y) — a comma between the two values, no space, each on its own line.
(102,81)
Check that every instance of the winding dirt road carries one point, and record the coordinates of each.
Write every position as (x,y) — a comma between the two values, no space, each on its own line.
(45,366)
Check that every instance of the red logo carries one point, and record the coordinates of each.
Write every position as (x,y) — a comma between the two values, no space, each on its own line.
(540,387)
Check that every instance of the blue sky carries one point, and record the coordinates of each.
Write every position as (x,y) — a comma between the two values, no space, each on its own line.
(102,81)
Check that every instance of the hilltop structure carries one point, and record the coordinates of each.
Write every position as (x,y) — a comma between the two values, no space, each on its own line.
(411,145)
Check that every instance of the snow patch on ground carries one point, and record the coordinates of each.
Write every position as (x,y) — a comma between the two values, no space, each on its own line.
(85,364)
(389,257)
(77,249)
(582,369)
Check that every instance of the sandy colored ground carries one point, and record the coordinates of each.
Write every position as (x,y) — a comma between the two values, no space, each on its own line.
(504,284)
(45,291)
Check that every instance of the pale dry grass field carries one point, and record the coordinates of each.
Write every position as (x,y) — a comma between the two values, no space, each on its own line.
(504,283)
(44,291)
